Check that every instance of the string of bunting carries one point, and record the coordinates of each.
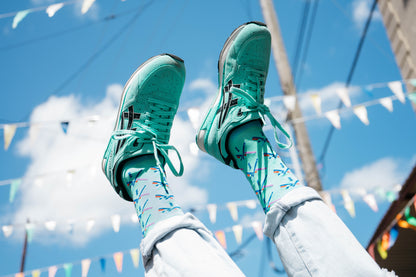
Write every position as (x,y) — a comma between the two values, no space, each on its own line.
(368,196)
(403,220)
(50,10)
(289,102)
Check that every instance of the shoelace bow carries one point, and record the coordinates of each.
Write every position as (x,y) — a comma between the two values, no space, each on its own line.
(255,84)
(147,133)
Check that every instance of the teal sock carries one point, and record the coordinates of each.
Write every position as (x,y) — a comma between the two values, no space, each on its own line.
(268,175)
(150,192)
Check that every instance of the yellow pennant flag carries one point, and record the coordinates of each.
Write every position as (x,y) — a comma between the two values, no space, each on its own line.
(36,273)
(316,101)
(220,235)
(232,207)
(134,253)
(238,233)
(118,260)
(381,251)
(9,131)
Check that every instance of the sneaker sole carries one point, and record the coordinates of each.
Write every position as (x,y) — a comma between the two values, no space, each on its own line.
(204,130)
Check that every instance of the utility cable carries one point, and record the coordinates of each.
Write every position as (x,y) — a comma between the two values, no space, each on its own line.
(237,253)
(349,78)
(300,36)
(270,258)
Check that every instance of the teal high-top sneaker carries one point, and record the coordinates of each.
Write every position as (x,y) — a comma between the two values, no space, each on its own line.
(148,105)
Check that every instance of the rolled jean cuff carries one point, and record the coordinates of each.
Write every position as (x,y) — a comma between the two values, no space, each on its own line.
(163,228)
(293,198)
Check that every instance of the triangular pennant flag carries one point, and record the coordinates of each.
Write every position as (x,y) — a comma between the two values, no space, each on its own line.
(238,233)
(371,202)
(394,232)
(348,203)
(290,102)
(19,17)
(135,253)
(212,211)
(412,97)
(397,88)
(232,207)
(50,225)
(85,267)
(251,204)
(102,264)
(333,117)
(29,231)
(343,95)
(316,101)
(9,131)
(115,221)
(7,230)
(14,186)
(68,269)
(194,115)
(52,9)
(86,5)
(326,196)
(52,271)
(381,251)
(118,260)
(90,224)
(371,251)
(36,273)
(385,241)
(361,112)
(134,218)
(387,103)
(368,89)
(258,229)
(391,196)
(220,235)
(64,126)
(20,274)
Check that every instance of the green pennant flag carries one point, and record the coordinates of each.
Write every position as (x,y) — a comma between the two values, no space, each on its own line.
(14,186)
(29,231)
(68,269)
(19,17)
(412,97)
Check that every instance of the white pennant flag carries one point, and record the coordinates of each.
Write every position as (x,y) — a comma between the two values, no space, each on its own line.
(348,203)
(212,211)
(290,102)
(371,201)
(90,224)
(251,204)
(397,88)
(52,9)
(232,207)
(50,225)
(343,95)
(194,114)
(85,267)
(115,221)
(86,5)
(316,101)
(9,131)
(387,103)
(333,117)
(258,229)
(238,233)
(135,253)
(69,176)
(19,17)
(134,218)
(361,113)
(7,230)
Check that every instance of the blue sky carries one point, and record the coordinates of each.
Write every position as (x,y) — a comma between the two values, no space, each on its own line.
(40,84)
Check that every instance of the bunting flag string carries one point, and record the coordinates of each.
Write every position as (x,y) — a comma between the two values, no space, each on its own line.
(212,209)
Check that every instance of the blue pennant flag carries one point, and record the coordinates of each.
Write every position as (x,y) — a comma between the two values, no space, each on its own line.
(102,263)
(65,125)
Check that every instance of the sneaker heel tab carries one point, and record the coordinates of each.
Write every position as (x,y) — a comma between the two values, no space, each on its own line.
(174,57)
(257,22)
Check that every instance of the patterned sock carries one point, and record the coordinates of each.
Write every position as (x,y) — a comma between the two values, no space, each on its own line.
(150,192)
(268,175)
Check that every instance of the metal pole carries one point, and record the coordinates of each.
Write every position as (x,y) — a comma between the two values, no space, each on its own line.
(312,178)
(22,264)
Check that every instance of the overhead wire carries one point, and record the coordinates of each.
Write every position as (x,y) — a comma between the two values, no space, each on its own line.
(301,35)
(349,78)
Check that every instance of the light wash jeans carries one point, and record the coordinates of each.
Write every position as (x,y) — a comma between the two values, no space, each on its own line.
(310,238)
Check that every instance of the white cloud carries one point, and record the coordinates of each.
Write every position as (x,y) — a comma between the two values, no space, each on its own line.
(88,195)
(361,10)
(384,173)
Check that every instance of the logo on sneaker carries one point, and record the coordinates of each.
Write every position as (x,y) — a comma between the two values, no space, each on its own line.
(227,104)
